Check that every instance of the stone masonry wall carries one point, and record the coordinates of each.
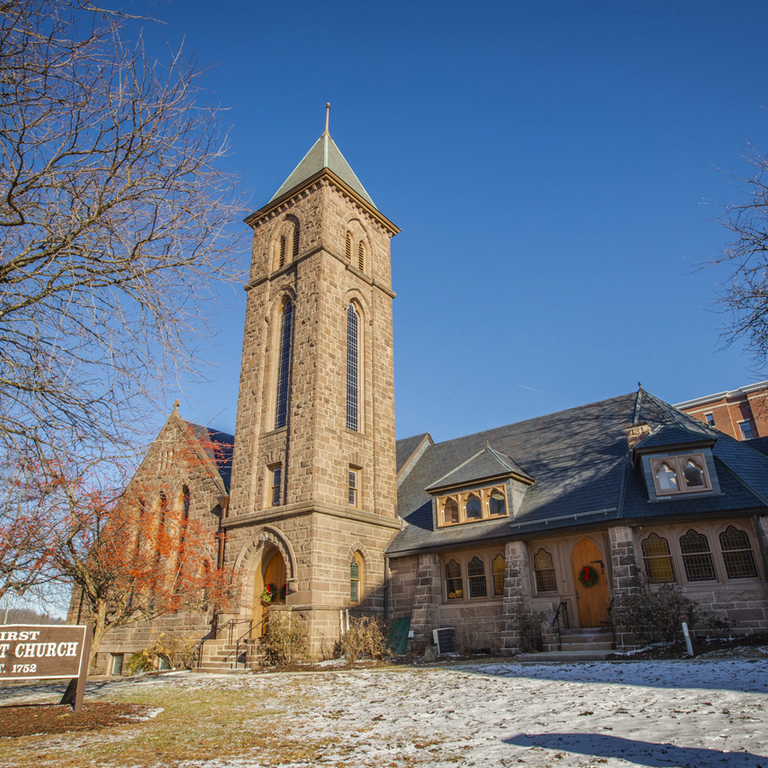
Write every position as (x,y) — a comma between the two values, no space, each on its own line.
(517,596)
(172,462)
(624,578)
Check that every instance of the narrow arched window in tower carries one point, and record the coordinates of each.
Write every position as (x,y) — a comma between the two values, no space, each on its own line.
(348,247)
(361,256)
(295,254)
(284,365)
(281,258)
(356,579)
(353,368)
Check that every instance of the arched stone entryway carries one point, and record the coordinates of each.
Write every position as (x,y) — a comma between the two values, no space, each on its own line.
(269,566)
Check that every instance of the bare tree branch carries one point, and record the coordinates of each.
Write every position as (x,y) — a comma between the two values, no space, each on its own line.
(745,295)
(114,216)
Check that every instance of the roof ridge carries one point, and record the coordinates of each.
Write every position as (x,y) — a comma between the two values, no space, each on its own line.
(323,154)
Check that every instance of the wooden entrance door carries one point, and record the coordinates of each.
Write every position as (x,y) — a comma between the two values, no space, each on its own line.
(272,573)
(592,602)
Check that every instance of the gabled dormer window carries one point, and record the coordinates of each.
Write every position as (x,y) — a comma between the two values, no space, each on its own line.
(680,474)
(472,506)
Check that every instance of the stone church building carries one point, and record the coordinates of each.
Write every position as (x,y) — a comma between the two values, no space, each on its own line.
(325,515)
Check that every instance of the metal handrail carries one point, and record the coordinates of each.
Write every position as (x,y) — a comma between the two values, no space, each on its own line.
(556,622)
(217,631)
(242,637)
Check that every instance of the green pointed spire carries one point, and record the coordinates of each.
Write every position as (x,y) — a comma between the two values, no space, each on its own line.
(324,154)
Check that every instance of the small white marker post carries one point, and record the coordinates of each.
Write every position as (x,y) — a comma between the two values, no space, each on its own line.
(687,636)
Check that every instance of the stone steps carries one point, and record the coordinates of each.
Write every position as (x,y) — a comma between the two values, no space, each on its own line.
(587,644)
(221,656)
(564,656)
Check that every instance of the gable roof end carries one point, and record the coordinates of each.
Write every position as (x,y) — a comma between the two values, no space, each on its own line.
(484,465)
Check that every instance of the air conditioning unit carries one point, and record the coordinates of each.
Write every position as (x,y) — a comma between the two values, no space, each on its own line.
(445,640)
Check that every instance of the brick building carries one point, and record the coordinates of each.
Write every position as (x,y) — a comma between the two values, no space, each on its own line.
(326,514)
(741,413)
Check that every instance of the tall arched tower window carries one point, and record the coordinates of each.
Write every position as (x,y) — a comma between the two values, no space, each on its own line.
(353,369)
(284,365)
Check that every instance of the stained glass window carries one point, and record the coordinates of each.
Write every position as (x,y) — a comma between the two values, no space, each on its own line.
(284,365)
(737,553)
(476,574)
(658,563)
(353,368)
(697,558)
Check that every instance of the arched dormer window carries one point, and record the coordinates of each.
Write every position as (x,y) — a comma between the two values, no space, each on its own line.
(361,256)
(666,477)
(353,369)
(284,365)
(450,511)
(474,508)
(348,247)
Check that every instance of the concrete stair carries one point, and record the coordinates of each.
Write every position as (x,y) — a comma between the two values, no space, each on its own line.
(587,644)
(223,656)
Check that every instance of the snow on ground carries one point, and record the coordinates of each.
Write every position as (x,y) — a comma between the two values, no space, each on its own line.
(602,714)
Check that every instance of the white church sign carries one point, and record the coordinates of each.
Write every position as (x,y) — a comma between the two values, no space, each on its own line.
(36,652)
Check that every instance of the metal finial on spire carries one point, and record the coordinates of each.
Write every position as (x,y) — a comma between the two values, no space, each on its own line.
(327,115)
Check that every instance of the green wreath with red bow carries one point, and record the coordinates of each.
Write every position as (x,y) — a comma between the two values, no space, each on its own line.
(588,576)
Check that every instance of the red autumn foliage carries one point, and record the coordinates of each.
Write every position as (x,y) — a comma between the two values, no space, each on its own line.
(134,554)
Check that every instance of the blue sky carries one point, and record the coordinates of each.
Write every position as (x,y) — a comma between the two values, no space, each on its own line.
(555,168)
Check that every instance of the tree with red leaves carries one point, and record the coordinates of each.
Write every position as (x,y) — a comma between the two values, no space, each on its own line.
(139,554)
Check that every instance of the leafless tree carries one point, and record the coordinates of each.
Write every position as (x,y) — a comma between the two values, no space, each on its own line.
(28,508)
(114,214)
(745,294)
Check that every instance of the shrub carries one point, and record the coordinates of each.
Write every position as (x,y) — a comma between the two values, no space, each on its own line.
(285,638)
(365,637)
(178,652)
(653,613)
(140,661)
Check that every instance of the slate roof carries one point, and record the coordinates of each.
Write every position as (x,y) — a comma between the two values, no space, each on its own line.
(583,474)
(484,465)
(324,154)
(669,435)
(758,443)
(406,447)
(218,446)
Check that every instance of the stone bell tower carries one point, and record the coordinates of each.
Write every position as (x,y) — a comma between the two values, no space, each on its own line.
(313,494)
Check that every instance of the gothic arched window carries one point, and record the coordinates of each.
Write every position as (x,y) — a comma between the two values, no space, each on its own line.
(353,369)
(544,570)
(453,583)
(356,578)
(737,554)
(476,574)
(697,558)
(658,561)
(473,508)
(284,365)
